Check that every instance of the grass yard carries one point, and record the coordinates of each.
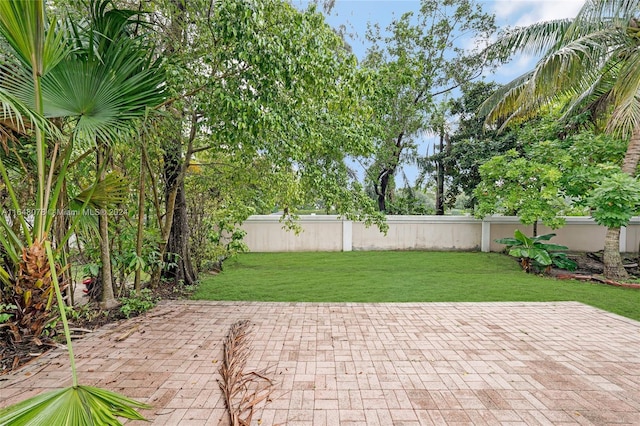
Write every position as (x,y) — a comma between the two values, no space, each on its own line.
(393,276)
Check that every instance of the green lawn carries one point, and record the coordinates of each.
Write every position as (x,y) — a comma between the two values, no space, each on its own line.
(409,276)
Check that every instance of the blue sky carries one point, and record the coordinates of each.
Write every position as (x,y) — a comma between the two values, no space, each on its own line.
(355,14)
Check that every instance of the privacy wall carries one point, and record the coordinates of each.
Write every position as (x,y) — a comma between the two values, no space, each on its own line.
(331,233)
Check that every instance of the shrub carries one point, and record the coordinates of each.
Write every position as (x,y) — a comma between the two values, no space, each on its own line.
(137,304)
(535,254)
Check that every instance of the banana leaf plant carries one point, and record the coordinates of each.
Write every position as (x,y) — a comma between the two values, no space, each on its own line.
(536,254)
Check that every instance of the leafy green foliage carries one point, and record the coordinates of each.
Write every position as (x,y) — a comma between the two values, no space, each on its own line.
(6,312)
(410,201)
(137,304)
(514,185)
(535,254)
(583,157)
(75,405)
(471,144)
(615,200)
(281,94)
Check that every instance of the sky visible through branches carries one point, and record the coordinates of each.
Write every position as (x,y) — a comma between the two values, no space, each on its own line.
(355,14)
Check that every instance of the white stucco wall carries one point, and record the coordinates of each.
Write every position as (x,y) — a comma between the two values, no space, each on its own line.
(330,233)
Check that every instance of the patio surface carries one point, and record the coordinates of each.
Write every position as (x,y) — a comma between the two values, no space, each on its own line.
(367,364)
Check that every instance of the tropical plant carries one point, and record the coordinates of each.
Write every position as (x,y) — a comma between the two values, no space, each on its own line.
(69,79)
(589,63)
(59,81)
(137,302)
(74,405)
(615,200)
(535,254)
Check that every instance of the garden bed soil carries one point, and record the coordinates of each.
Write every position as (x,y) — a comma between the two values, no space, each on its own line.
(590,269)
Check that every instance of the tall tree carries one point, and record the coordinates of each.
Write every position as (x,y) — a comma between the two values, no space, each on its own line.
(590,62)
(471,145)
(260,81)
(419,59)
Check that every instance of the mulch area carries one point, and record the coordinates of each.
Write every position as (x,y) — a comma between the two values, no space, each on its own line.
(590,268)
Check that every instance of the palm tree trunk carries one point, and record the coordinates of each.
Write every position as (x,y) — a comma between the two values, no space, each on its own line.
(613,268)
(139,235)
(107,299)
(632,156)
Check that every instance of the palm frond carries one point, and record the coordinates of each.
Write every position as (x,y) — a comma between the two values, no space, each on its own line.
(112,190)
(80,405)
(533,40)
(597,10)
(593,93)
(504,100)
(18,111)
(23,25)
(565,66)
(585,58)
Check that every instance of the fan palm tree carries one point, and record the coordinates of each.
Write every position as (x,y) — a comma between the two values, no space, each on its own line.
(61,86)
(591,63)
(93,82)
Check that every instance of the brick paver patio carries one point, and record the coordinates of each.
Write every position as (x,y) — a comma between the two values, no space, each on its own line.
(367,364)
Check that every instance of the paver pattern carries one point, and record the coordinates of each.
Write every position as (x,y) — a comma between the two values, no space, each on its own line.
(367,364)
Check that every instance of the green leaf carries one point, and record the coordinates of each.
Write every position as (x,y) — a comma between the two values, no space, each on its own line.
(540,256)
(551,247)
(508,241)
(545,237)
(563,262)
(81,405)
(113,189)
(523,239)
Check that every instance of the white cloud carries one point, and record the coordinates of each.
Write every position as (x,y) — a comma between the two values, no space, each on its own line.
(527,12)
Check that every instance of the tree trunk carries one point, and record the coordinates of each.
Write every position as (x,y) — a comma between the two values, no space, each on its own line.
(177,254)
(139,234)
(181,269)
(632,156)
(107,299)
(613,268)
(381,186)
(440,178)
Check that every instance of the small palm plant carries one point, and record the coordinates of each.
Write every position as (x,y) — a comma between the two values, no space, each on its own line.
(536,254)
(74,405)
